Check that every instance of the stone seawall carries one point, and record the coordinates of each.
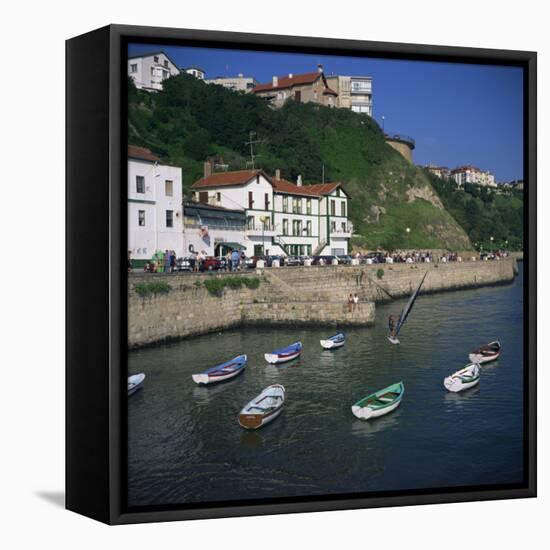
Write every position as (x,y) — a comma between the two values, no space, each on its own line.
(293,295)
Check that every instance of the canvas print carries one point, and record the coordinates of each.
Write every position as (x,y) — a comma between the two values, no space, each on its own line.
(325,276)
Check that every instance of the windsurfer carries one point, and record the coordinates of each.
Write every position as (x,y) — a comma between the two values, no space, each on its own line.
(393,321)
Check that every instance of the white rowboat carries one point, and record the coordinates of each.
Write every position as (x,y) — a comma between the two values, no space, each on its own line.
(465,378)
(135,383)
(264,408)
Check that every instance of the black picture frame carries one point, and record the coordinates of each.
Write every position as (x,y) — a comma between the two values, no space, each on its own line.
(96,304)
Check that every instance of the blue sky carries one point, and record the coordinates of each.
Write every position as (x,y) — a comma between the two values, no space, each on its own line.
(457,113)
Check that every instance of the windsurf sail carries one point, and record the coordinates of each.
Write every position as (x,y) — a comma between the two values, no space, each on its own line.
(407,309)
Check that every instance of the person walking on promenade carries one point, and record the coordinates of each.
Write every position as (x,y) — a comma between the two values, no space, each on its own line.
(166,261)
(129,261)
(355,301)
(350,303)
(172,261)
(235,258)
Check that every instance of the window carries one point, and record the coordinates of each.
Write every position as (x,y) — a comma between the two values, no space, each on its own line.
(156,59)
(298,96)
(250,222)
(250,199)
(308,206)
(141,218)
(285,227)
(218,197)
(343,209)
(344,230)
(308,228)
(133,68)
(140,184)
(333,208)
(166,63)
(168,188)
(203,197)
(332,227)
(285,203)
(152,71)
(169,218)
(266,197)
(165,75)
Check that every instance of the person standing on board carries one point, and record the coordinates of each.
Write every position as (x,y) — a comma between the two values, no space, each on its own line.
(235,257)
(393,321)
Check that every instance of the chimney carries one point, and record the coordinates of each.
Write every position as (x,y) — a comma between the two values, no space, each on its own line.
(299,180)
(207,169)
(277,174)
(319,68)
(290,75)
(275,82)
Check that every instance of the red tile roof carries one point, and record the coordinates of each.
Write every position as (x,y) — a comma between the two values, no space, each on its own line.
(314,190)
(287,82)
(464,168)
(142,153)
(240,177)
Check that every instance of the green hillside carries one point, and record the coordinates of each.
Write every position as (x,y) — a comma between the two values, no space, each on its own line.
(190,120)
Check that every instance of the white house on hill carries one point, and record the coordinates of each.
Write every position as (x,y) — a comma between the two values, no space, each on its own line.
(150,70)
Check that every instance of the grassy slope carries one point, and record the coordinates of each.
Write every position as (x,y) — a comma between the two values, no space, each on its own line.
(190,120)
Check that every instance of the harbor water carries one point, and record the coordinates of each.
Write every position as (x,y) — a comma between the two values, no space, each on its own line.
(185,445)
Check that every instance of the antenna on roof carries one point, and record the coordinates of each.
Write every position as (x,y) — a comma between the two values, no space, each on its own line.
(251,142)
(323,176)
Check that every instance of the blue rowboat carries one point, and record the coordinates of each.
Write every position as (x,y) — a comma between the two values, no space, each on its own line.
(284,354)
(225,371)
(336,341)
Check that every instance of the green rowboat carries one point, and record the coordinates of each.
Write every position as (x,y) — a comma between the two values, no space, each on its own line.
(379,403)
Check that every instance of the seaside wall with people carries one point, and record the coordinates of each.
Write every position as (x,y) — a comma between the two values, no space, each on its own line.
(181,305)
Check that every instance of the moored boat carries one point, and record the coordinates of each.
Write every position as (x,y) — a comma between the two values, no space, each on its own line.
(336,341)
(135,383)
(463,379)
(264,408)
(485,354)
(222,372)
(379,403)
(283,355)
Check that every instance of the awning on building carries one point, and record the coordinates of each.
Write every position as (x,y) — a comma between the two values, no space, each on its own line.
(236,246)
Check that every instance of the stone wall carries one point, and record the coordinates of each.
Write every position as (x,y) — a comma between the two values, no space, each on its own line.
(292,295)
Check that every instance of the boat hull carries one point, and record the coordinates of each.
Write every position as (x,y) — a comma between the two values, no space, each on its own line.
(393,340)
(365,413)
(481,359)
(331,344)
(135,383)
(274,358)
(204,379)
(255,421)
(457,382)
(251,420)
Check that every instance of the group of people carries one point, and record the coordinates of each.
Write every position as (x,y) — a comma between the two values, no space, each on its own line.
(161,262)
(353,302)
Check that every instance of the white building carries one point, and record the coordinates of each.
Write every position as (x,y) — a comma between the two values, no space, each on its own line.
(472,174)
(281,217)
(440,171)
(196,72)
(212,229)
(354,92)
(239,83)
(155,218)
(150,70)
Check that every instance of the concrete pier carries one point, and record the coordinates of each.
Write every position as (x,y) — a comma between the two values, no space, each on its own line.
(292,296)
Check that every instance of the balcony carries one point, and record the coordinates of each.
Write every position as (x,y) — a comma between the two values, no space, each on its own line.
(340,231)
(259,229)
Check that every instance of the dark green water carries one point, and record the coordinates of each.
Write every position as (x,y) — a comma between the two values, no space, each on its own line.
(185,444)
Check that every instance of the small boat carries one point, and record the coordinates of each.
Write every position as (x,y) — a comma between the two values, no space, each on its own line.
(135,383)
(463,379)
(225,371)
(485,354)
(264,408)
(379,403)
(336,341)
(284,354)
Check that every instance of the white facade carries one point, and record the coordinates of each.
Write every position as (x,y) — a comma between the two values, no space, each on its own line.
(471,174)
(196,72)
(239,83)
(149,71)
(354,92)
(155,218)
